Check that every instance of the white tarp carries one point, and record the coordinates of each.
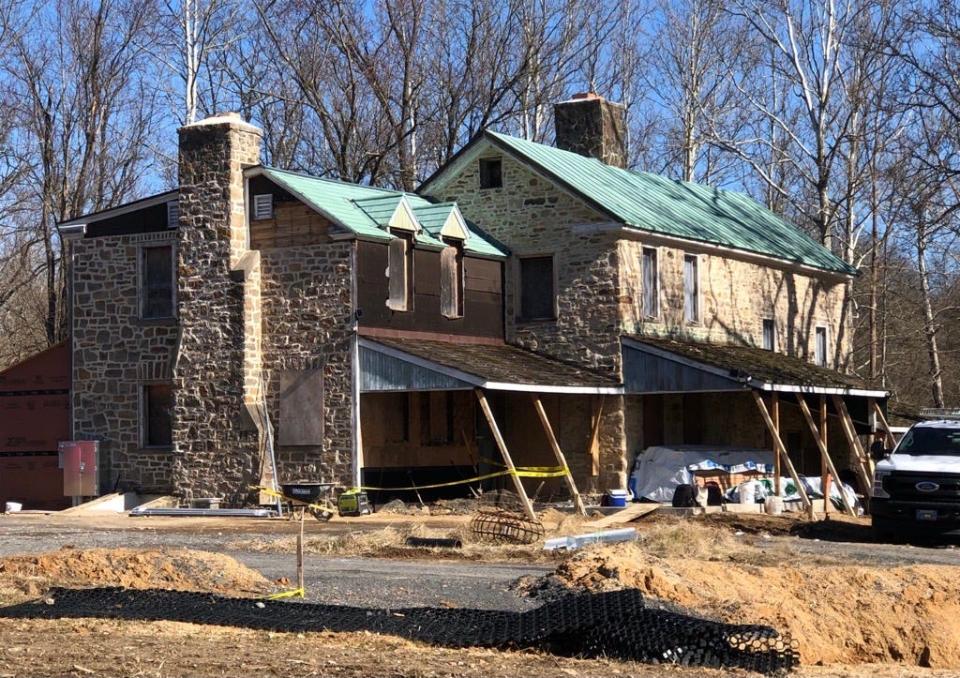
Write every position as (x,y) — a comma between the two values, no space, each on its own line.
(658,471)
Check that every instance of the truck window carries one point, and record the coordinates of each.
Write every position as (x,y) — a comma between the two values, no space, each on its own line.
(935,441)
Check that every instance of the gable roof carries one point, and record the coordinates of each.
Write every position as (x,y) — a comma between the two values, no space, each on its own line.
(656,204)
(364,211)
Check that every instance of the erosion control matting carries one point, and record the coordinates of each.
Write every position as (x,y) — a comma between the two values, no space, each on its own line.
(612,624)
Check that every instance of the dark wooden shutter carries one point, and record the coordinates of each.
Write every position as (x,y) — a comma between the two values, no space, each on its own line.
(157,282)
(301,408)
(397,270)
(451,282)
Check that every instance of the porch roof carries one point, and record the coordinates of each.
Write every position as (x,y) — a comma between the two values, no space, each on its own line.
(428,365)
(662,365)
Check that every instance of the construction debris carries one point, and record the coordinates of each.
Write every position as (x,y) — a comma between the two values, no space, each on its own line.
(204,512)
(581,540)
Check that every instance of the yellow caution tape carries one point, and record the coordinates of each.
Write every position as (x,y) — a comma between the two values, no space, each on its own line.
(293,593)
(521,472)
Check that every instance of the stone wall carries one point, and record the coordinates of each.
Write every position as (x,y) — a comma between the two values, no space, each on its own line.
(594,127)
(736,295)
(216,441)
(114,354)
(308,324)
(533,217)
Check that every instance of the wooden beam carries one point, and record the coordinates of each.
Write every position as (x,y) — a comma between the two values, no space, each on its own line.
(495,430)
(849,430)
(594,449)
(889,441)
(818,437)
(558,453)
(775,416)
(825,480)
(781,449)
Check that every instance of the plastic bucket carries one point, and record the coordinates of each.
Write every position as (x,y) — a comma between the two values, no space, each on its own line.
(12,507)
(616,498)
(773,506)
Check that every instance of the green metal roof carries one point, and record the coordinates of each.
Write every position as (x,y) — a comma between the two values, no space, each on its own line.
(364,210)
(679,209)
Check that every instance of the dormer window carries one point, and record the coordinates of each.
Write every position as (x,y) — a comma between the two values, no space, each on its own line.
(451,280)
(263,206)
(173,214)
(491,173)
(400,272)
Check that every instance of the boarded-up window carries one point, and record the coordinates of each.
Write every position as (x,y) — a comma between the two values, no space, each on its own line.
(691,288)
(651,283)
(434,412)
(821,346)
(157,415)
(536,288)
(301,408)
(156,282)
(491,173)
(769,335)
(400,273)
(451,281)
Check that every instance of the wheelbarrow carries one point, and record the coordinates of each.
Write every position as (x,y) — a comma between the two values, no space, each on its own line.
(309,496)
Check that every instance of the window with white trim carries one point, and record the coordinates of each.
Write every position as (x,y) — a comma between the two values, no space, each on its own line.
(651,283)
(691,288)
(769,335)
(821,346)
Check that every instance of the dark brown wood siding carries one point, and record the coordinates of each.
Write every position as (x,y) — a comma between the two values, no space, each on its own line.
(293,224)
(483,297)
(153,218)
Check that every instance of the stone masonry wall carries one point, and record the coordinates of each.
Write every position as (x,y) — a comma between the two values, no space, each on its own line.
(530,215)
(114,354)
(736,296)
(308,324)
(216,443)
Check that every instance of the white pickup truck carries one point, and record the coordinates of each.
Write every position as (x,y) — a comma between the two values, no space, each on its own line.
(916,486)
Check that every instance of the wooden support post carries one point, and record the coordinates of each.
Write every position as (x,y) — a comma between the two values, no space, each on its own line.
(889,440)
(594,449)
(781,449)
(558,453)
(775,415)
(303,512)
(862,466)
(820,439)
(502,446)
(828,477)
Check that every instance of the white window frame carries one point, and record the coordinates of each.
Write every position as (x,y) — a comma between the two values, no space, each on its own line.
(697,318)
(141,299)
(262,201)
(773,334)
(645,312)
(826,346)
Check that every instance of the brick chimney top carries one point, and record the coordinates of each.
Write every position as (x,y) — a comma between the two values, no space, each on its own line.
(590,125)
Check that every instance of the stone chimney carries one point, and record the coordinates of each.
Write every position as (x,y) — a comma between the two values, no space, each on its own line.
(590,125)
(216,444)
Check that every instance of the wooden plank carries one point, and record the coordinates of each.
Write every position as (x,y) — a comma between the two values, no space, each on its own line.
(628,514)
(849,430)
(495,430)
(594,449)
(775,414)
(558,453)
(889,440)
(781,449)
(826,477)
(825,459)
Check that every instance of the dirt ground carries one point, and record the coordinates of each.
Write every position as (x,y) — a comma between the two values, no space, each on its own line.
(862,609)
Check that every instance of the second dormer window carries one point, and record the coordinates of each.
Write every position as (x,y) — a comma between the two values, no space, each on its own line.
(451,280)
(400,272)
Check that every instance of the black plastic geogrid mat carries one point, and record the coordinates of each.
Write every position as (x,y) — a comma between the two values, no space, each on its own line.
(614,624)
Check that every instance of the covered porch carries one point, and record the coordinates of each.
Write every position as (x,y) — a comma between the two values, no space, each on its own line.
(440,419)
(816,422)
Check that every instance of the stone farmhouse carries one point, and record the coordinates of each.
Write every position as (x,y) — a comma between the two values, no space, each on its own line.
(256,322)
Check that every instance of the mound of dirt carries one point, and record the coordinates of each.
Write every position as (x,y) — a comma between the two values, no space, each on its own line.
(132,568)
(837,613)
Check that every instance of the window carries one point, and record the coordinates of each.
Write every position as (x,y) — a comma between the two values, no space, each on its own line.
(451,281)
(691,288)
(263,206)
(651,283)
(491,173)
(173,214)
(156,282)
(157,414)
(536,288)
(821,346)
(400,272)
(769,335)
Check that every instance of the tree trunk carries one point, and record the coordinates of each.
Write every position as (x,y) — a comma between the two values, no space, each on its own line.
(929,327)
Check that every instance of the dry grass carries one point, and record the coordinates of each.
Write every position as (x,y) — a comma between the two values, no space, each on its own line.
(690,539)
